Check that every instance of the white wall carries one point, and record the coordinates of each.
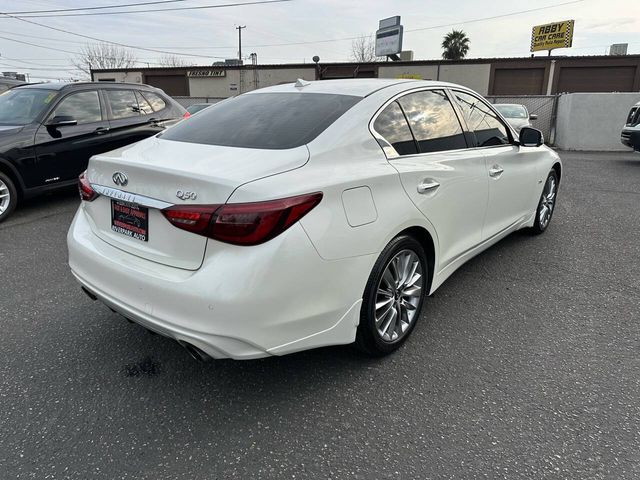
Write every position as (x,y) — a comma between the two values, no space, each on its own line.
(422,72)
(473,75)
(130,77)
(593,121)
(222,87)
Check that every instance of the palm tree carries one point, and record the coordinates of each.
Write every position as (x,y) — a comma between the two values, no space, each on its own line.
(455,44)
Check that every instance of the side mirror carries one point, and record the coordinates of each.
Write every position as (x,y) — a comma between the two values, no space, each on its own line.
(533,116)
(530,137)
(61,121)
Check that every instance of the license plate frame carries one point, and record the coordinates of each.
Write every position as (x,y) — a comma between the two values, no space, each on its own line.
(130,220)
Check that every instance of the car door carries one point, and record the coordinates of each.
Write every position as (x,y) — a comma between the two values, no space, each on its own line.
(129,120)
(445,180)
(511,170)
(62,152)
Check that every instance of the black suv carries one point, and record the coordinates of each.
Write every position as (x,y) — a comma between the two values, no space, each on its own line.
(49,131)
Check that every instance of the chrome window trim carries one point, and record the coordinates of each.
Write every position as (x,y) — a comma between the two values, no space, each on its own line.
(387,148)
(129,197)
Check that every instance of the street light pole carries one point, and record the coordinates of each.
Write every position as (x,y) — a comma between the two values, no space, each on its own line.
(239,28)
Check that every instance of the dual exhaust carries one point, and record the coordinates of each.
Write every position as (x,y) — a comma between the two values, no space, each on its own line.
(193,351)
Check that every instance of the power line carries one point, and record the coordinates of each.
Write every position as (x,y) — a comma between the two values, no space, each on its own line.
(150,10)
(105,41)
(156,2)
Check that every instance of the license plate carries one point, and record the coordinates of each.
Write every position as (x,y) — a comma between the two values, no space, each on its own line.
(130,220)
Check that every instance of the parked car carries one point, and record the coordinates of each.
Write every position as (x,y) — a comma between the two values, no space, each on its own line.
(305,215)
(48,131)
(517,115)
(196,107)
(630,135)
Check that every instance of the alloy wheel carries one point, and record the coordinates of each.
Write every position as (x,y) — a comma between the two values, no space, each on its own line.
(5,197)
(547,202)
(398,295)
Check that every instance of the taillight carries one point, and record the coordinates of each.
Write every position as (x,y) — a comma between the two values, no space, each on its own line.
(186,115)
(84,187)
(242,223)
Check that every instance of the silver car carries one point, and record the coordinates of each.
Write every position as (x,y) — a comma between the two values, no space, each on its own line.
(517,115)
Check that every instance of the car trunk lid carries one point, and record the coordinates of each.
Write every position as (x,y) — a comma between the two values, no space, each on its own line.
(160,173)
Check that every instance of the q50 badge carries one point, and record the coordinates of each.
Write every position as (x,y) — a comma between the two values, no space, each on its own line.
(183,195)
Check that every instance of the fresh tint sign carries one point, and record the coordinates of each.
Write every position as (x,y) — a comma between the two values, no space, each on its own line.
(552,35)
(219,72)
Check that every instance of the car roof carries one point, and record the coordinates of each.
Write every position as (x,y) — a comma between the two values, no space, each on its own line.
(64,85)
(359,87)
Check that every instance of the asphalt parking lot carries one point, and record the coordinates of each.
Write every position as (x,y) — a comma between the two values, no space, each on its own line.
(525,364)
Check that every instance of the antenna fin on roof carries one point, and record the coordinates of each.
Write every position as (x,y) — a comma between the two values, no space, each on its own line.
(302,83)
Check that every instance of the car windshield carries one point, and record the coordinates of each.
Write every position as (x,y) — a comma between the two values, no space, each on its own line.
(22,106)
(263,120)
(512,111)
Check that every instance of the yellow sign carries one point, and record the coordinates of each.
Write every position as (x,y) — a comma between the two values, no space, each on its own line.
(552,35)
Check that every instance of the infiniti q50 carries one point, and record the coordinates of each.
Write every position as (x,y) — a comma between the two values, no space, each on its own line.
(304,215)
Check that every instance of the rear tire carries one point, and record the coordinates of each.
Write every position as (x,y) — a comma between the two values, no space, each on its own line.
(8,197)
(393,297)
(546,205)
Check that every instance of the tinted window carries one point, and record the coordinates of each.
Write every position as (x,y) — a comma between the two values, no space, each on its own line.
(143,105)
(83,106)
(156,101)
(123,103)
(22,106)
(433,121)
(393,127)
(481,120)
(263,120)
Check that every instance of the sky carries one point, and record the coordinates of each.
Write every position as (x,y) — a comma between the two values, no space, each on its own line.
(295,31)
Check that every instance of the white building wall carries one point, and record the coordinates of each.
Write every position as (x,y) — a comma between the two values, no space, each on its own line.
(593,121)
(130,77)
(473,75)
(228,85)
(422,72)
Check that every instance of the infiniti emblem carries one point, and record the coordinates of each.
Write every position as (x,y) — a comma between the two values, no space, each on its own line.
(120,178)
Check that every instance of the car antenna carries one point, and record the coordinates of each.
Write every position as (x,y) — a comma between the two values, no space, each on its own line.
(302,83)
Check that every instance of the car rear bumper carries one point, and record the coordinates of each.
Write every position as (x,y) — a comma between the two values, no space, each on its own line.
(243,303)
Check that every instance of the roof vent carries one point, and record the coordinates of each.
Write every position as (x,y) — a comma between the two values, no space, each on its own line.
(302,83)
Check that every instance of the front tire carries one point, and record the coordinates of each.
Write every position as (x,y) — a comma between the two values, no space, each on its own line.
(393,297)
(8,197)
(546,205)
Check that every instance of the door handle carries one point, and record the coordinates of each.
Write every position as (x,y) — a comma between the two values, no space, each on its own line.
(427,186)
(101,130)
(496,171)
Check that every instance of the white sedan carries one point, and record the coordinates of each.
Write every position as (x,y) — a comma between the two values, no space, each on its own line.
(305,215)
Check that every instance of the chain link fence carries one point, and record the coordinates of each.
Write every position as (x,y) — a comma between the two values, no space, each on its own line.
(544,106)
(188,101)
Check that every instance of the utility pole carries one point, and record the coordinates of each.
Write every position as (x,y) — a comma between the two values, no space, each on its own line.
(239,28)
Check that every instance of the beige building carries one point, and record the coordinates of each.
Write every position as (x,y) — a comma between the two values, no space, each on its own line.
(497,76)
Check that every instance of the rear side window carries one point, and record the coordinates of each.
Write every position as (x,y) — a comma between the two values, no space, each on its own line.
(482,121)
(263,120)
(123,103)
(156,101)
(433,121)
(83,107)
(143,105)
(393,127)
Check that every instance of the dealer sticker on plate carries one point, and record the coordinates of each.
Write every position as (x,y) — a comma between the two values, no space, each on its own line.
(130,220)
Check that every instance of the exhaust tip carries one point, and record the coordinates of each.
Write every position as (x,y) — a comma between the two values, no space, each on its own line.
(195,352)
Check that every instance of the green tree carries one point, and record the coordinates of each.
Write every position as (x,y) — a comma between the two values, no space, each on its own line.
(455,45)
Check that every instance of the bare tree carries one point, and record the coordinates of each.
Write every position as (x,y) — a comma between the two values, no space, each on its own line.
(363,49)
(168,60)
(103,55)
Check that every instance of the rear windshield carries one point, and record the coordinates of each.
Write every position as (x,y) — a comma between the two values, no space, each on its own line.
(263,120)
